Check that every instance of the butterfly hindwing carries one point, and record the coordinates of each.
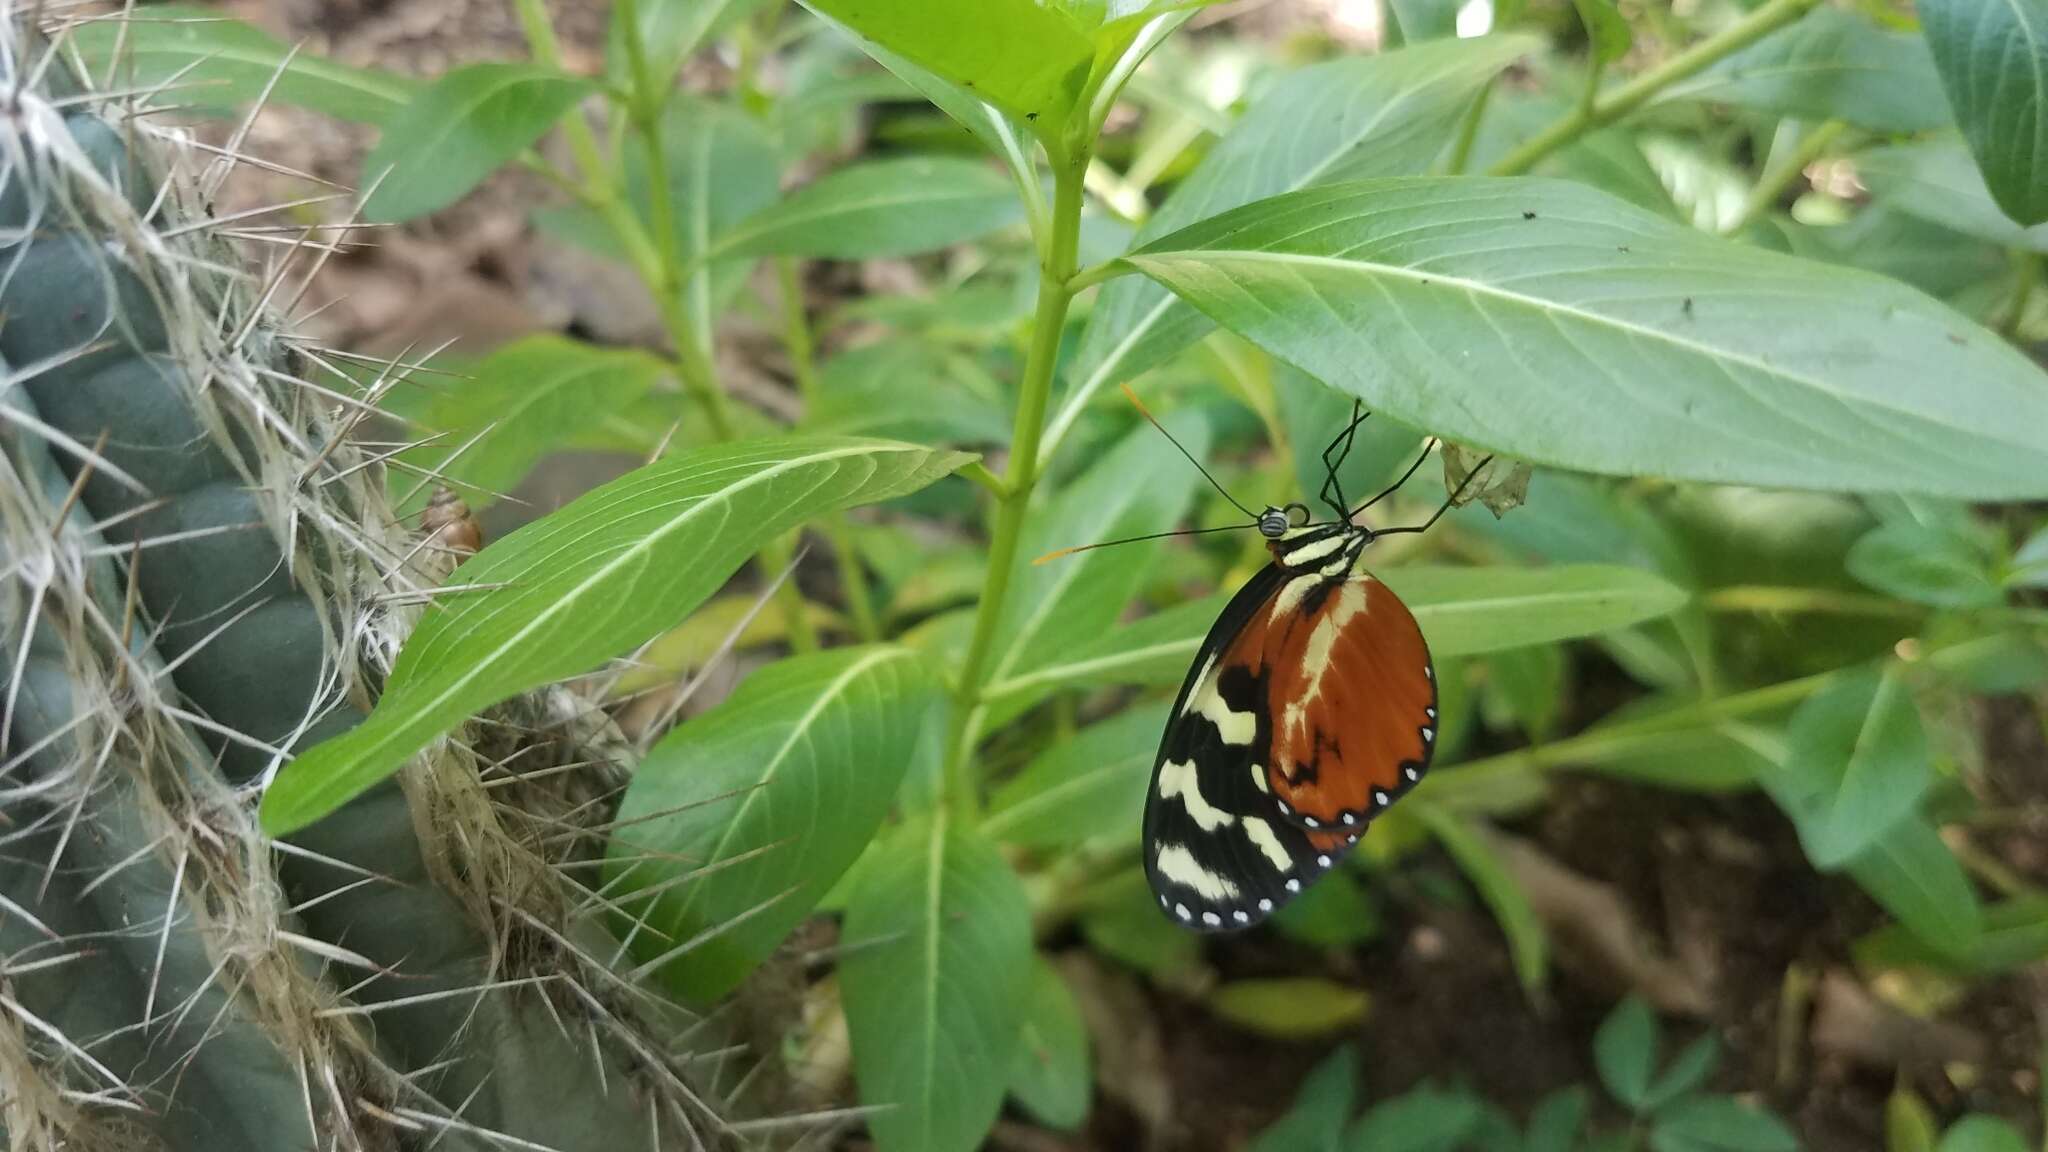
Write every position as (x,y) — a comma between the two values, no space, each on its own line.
(1352,697)
(1217,853)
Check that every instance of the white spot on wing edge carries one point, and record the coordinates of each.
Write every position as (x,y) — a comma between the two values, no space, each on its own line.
(1262,838)
(1177,781)
(1179,865)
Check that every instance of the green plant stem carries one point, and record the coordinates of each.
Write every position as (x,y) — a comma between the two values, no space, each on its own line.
(989,481)
(2027,277)
(1035,391)
(1626,98)
(1468,132)
(1771,186)
(1822,601)
(803,368)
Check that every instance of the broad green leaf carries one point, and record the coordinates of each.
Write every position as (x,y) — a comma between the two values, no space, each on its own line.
(1321,1109)
(213,61)
(1832,65)
(1425,1120)
(1701,758)
(2029,567)
(1625,1051)
(1860,759)
(1528,944)
(1558,1121)
(1063,603)
(1363,116)
(2014,935)
(524,400)
(591,581)
(1606,30)
(1912,873)
(1525,688)
(1922,563)
(740,819)
(669,31)
(1982,1134)
(463,127)
(1909,1124)
(1768,370)
(722,167)
(736,620)
(1335,912)
(1687,1074)
(1417,21)
(894,207)
(1005,135)
(1054,1078)
(1462,611)
(1610,159)
(1993,58)
(1125,924)
(1297,1008)
(1937,181)
(935,973)
(1719,1124)
(1028,59)
(904,387)
(1091,786)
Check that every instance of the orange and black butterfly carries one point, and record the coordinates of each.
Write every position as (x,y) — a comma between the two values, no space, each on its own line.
(1311,706)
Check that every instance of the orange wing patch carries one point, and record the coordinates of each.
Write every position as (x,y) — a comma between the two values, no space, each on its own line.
(1352,699)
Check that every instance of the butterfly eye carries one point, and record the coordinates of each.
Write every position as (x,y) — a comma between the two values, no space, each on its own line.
(1273,523)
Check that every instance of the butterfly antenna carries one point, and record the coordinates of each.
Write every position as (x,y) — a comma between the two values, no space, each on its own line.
(1154,421)
(1051,556)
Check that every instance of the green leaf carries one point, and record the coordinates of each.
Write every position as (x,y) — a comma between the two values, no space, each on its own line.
(1558,1121)
(1768,370)
(1982,1134)
(935,975)
(1625,1052)
(742,818)
(1026,58)
(1687,1074)
(1937,181)
(1832,65)
(1300,1008)
(1089,787)
(463,127)
(1911,872)
(2029,568)
(1860,762)
(1334,912)
(1719,1124)
(1909,1124)
(1053,1078)
(2014,936)
(895,207)
(1924,564)
(214,61)
(524,400)
(1425,1120)
(1316,1120)
(1528,944)
(1606,31)
(1059,605)
(1525,687)
(670,30)
(593,580)
(1462,612)
(1417,21)
(722,168)
(1362,116)
(1993,58)
(1125,925)
(905,387)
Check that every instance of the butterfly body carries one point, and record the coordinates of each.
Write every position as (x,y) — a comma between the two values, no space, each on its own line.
(1310,707)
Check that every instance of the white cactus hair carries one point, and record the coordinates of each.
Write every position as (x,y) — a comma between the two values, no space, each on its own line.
(110,780)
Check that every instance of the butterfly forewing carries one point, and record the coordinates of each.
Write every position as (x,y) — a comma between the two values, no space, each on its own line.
(1310,706)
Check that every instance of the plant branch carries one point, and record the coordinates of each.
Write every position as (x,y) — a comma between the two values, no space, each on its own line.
(1055,295)
(1626,98)
(1771,186)
(2026,278)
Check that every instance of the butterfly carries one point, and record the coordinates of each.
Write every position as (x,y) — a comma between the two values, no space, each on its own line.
(1310,707)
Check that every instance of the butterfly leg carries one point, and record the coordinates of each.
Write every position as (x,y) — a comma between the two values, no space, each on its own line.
(1340,447)
(1446,505)
(1396,485)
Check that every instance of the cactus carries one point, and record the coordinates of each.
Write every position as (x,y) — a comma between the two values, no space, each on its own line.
(198,576)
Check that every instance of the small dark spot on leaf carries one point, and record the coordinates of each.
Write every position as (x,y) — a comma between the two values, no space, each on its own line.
(1955,338)
(1621,248)
(1032,116)
(1528,215)
(1686,307)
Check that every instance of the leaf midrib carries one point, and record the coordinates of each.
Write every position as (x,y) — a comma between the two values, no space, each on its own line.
(1210,257)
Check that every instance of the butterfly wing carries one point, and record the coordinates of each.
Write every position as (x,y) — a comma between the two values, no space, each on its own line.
(1352,697)
(1217,853)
